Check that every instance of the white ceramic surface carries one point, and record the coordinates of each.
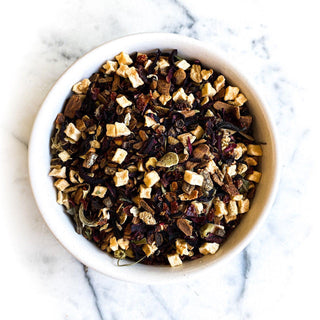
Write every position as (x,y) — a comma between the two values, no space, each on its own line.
(45,194)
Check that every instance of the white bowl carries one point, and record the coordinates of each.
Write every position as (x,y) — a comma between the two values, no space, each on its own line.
(45,194)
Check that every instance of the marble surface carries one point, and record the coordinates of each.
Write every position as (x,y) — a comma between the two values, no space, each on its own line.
(273,43)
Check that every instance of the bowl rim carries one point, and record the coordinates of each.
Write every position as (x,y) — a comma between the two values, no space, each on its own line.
(32,159)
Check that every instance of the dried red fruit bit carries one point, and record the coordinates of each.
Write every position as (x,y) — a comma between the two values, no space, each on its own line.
(113,96)
(94,93)
(141,58)
(142,101)
(174,207)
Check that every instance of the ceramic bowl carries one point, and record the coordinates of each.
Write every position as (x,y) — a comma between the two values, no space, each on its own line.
(45,194)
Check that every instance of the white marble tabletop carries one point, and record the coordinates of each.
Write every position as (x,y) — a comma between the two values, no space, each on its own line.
(274,44)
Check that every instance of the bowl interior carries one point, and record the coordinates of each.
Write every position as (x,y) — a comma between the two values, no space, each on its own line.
(45,194)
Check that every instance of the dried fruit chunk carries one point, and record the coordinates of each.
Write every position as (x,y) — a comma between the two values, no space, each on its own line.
(193,178)
(250,161)
(198,132)
(198,206)
(147,218)
(195,73)
(182,247)
(145,192)
(206,74)
(182,64)
(117,130)
(121,178)
(149,122)
(254,150)
(61,184)
(146,207)
(134,78)
(162,64)
(168,160)
(201,150)
(73,105)
(64,155)
(110,66)
(122,71)
(172,140)
(242,168)
(164,99)
(209,248)
(123,244)
(179,76)
(63,199)
(123,101)
(187,188)
(244,205)
(151,163)
(113,244)
(59,120)
(151,178)
(99,191)
(188,197)
(81,87)
(58,173)
(231,170)
(119,155)
(149,249)
(255,176)
(174,260)
(185,138)
(232,208)
(219,83)
(179,95)
(142,101)
(72,132)
(188,113)
(190,101)
(207,90)
(124,58)
(185,226)
(74,177)
(155,94)
(239,100)
(231,93)
(220,208)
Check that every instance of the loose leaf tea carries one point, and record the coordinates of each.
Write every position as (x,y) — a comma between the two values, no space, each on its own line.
(153,158)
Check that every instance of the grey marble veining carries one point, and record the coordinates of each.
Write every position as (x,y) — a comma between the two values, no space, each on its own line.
(266,279)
